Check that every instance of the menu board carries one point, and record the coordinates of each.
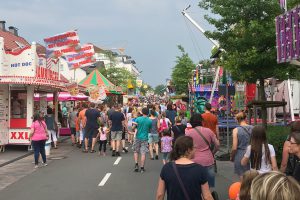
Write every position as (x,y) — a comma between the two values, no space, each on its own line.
(4,114)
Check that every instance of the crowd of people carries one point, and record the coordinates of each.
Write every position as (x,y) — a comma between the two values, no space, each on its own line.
(185,146)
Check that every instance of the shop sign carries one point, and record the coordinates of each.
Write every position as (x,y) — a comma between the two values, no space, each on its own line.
(47,68)
(21,64)
(73,89)
(19,136)
(288,36)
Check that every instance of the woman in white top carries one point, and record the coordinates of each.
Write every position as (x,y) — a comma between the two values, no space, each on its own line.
(260,154)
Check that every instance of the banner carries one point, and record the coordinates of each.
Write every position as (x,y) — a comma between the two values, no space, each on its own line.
(83,58)
(97,94)
(62,44)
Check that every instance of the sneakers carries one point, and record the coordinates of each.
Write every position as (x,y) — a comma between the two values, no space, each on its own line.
(113,153)
(44,164)
(125,150)
(136,168)
(36,166)
(156,157)
(142,170)
(117,154)
(151,158)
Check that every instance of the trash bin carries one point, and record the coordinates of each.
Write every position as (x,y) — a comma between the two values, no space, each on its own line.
(47,147)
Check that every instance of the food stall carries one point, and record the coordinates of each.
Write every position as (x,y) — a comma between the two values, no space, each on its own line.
(22,73)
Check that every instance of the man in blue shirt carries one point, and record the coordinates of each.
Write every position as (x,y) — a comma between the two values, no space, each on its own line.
(144,124)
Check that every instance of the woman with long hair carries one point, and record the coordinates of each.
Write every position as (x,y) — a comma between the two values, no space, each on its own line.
(260,154)
(240,140)
(38,136)
(295,150)
(182,178)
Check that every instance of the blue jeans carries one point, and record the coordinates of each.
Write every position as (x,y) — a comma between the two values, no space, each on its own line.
(211,175)
(39,148)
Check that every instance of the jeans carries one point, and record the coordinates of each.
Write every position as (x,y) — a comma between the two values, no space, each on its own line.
(102,143)
(211,175)
(39,148)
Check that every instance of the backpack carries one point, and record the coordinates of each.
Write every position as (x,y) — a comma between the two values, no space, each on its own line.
(163,125)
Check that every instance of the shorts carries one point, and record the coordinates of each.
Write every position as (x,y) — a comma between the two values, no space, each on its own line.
(140,146)
(116,135)
(153,138)
(91,132)
(73,131)
(211,175)
(166,155)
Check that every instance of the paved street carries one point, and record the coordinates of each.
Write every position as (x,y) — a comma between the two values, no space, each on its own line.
(78,175)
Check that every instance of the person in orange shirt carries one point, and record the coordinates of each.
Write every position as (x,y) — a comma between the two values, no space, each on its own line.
(82,122)
(210,120)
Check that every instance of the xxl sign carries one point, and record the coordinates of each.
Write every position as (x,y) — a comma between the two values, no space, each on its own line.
(19,136)
(288,36)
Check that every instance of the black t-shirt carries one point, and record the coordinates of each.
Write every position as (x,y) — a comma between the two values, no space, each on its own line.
(293,167)
(178,130)
(92,116)
(116,119)
(192,176)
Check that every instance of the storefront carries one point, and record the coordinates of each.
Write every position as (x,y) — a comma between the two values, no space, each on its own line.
(22,74)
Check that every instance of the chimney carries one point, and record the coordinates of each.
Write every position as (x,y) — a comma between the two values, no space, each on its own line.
(2,25)
(13,30)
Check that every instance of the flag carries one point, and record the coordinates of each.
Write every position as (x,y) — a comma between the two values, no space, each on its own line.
(282,4)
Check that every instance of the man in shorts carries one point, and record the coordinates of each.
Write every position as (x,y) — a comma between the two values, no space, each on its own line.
(117,123)
(82,122)
(140,145)
(91,128)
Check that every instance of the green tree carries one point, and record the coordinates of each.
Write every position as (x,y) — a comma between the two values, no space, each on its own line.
(160,89)
(119,76)
(245,29)
(182,72)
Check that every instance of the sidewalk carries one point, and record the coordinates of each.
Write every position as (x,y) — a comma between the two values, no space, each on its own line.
(16,152)
(16,170)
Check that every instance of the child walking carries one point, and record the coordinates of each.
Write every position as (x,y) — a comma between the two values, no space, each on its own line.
(103,139)
(166,145)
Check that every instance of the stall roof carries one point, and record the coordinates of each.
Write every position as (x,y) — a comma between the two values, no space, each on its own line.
(13,42)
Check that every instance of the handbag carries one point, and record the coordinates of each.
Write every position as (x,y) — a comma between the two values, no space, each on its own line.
(186,195)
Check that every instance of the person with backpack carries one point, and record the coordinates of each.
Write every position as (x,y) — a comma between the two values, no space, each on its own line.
(164,122)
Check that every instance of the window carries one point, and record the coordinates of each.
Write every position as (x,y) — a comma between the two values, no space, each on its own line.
(18,104)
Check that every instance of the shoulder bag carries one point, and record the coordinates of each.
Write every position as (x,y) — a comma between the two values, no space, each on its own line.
(186,195)
(211,146)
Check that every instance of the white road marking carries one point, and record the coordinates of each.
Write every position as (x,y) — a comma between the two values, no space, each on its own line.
(106,177)
(117,161)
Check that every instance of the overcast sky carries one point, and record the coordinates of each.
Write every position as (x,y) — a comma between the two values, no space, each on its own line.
(149,30)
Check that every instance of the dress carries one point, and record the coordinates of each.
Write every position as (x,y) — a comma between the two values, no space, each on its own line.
(243,135)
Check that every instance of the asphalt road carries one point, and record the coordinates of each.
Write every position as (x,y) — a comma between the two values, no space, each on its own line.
(78,176)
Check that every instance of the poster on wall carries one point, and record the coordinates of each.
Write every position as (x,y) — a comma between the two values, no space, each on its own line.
(19,136)
(4,112)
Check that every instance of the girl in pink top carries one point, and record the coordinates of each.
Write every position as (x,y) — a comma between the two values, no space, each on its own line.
(166,145)
(103,139)
(38,136)
(203,155)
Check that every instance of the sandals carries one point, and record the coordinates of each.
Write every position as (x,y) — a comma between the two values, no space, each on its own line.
(92,151)
(85,151)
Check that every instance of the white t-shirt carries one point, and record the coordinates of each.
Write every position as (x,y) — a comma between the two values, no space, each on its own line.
(263,167)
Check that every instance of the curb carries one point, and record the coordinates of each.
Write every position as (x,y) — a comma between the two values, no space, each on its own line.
(26,155)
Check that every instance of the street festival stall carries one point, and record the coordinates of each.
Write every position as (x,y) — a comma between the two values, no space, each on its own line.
(100,87)
(22,73)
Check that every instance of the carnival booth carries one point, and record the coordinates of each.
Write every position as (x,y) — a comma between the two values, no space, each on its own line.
(22,73)
(100,88)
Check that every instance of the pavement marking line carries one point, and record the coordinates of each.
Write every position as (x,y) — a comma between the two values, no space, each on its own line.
(105,178)
(117,161)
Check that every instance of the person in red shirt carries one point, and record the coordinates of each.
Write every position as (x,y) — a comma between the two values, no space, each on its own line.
(210,120)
